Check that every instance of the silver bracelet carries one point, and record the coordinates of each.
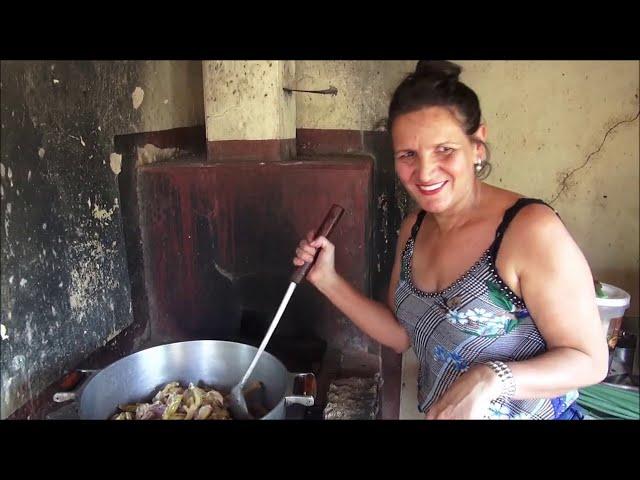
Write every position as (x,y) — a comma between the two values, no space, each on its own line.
(506,377)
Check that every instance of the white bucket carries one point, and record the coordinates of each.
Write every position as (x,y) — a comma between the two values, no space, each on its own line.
(613,306)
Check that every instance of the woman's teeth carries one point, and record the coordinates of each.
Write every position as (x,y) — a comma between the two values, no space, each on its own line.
(432,187)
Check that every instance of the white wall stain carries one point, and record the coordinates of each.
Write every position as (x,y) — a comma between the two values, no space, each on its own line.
(3,332)
(151,154)
(29,333)
(6,221)
(6,385)
(41,152)
(17,363)
(87,278)
(112,335)
(102,214)
(23,282)
(115,162)
(137,96)
(2,170)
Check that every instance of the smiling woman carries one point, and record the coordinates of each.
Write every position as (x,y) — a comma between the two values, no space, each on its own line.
(488,286)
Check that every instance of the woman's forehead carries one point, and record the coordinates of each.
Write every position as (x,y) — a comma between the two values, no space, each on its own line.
(431,123)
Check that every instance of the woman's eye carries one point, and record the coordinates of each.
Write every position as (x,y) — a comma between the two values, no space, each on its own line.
(407,155)
(445,149)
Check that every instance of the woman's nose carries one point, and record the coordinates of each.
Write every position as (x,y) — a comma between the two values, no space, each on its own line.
(424,168)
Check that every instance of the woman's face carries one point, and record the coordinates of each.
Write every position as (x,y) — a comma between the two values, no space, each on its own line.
(434,158)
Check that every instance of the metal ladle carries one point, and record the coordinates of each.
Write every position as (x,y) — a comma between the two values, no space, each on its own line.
(236,398)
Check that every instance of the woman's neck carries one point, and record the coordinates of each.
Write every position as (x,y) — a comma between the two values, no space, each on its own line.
(462,211)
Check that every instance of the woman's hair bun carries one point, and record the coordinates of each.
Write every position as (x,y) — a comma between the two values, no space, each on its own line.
(438,70)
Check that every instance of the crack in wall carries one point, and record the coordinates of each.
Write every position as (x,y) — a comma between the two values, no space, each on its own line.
(563,182)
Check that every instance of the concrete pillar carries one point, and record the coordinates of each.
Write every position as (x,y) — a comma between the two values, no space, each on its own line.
(248,115)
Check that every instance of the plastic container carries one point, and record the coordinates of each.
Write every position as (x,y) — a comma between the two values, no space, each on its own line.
(612,310)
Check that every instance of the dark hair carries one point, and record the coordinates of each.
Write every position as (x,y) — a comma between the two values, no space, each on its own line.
(435,83)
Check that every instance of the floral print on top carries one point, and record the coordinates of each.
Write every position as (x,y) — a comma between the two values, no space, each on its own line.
(474,320)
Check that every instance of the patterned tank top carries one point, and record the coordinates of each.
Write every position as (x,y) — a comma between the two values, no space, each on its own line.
(476,319)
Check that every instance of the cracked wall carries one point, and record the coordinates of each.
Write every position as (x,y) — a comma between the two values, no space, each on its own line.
(567,132)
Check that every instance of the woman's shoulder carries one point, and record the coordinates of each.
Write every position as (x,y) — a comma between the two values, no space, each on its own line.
(503,200)
(532,221)
(500,199)
(528,219)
